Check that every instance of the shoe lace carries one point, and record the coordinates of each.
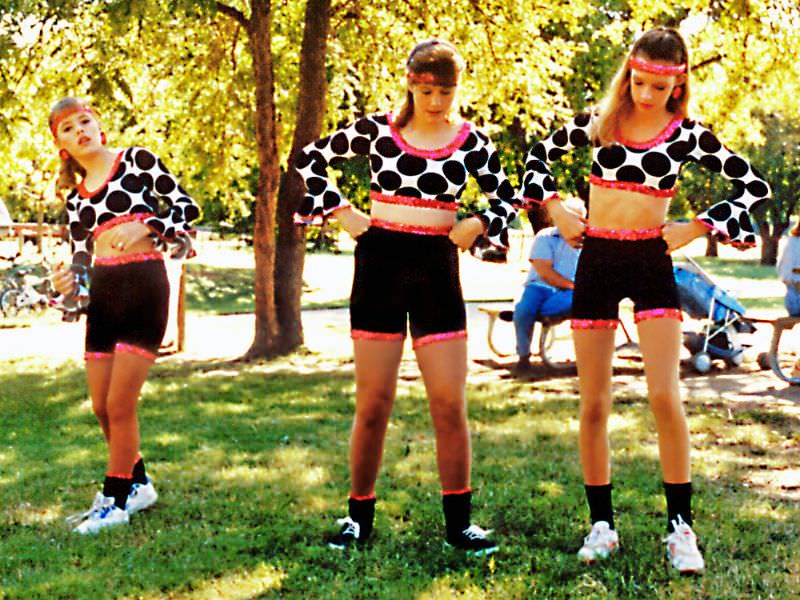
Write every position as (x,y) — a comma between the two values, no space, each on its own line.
(682,539)
(350,527)
(100,504)
(474,532)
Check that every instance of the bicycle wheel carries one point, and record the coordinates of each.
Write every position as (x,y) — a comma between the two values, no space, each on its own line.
(8,302)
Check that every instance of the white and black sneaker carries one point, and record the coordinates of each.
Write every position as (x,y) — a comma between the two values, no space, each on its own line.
(142,496)
(348,535)
(474,541)
(103,513)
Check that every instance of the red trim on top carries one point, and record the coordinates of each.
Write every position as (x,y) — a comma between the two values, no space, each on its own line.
(411,201)
(461,136)
(84,193)
(456,492)
(661,137)
(129,218)
(632,187)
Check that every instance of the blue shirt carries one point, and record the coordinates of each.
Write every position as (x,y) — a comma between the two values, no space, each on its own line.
(549,245)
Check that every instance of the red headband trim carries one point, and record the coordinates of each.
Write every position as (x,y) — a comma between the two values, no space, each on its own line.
(648,67)
(68,112)
(424,78)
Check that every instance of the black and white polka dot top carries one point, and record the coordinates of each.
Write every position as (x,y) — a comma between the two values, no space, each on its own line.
(652,168)
(402,174)
(138,180)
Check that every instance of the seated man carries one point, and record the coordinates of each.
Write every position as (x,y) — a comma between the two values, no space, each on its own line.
(548,289)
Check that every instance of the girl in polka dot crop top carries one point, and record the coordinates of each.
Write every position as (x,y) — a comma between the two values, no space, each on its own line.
(652,168)
(409,176)
(137,181)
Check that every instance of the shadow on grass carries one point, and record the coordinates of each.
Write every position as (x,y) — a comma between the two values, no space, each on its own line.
(251,467)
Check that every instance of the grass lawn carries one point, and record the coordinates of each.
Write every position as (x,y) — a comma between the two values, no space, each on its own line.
(250,461)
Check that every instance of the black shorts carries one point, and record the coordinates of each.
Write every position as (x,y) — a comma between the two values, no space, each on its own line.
(128,304)
(401,278)
(623,264)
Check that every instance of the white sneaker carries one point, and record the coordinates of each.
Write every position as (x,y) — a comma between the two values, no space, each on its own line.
(601,541)
(142,496)
(682,548)
(103,513)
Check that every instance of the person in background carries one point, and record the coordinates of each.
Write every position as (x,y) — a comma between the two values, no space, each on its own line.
(789,273)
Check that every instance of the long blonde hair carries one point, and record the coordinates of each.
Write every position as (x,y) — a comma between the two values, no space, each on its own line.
(69,168)
(660,43)
(436,57)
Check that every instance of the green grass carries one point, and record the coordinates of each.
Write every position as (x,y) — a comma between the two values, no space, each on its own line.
(749,271)
(250,461)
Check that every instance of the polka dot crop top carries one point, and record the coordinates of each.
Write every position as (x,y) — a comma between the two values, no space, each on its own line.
(402,174)
(137,182)
(653,168)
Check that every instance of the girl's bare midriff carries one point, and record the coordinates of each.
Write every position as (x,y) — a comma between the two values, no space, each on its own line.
(622,209)
(412,215)
(102,245)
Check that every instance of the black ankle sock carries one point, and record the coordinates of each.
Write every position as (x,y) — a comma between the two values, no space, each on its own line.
(117,488)
(679,502)
(139,474)
(600,507)
(362,511)
(457,508)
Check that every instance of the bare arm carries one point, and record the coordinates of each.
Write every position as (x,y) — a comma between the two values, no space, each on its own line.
(544,268)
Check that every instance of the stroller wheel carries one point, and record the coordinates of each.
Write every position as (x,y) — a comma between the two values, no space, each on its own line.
(701,362)
(763,361)
(735,360)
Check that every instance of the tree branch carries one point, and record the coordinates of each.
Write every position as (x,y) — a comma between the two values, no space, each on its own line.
(233,13)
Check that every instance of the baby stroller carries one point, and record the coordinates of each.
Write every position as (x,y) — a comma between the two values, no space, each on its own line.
(701,298)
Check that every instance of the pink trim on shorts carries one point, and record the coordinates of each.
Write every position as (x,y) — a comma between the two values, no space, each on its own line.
(657,313)
(632,187)
(361,498)
(130,218)
(131,349)
(97,355)
(455,144)
(417,229)
(624,234)
(456,492)
(411,201)
(439,337)
(115,261)
(360,334)
(594,323)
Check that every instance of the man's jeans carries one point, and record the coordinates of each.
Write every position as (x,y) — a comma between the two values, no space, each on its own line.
(537,301)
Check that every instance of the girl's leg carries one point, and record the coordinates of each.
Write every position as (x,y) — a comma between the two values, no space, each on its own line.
(98,378)
(377,364)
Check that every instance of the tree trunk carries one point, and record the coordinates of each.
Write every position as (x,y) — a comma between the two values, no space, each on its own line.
(266,339)
(291,238)
(769,242)
(712,245)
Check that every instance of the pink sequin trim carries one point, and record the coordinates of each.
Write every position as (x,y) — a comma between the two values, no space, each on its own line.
(648,67)
(411,201)
(423,78)
(456,492)
(657,313)
(439,337)
(624,234)
(593,323)
(97,355)
(84,193)
(405,228)
(447,150)
(529,201)
(101,229)
(360,334)
(632,187)
(113,261)
(121,347)
(660,138)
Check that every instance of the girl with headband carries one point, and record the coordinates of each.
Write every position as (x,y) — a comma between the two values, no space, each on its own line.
(641,137)
(406,269)
(113,205)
